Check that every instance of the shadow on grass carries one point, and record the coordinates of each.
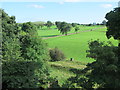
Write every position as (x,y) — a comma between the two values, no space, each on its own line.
(49,36)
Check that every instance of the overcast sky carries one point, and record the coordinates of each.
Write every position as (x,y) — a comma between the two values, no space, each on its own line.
(59,10)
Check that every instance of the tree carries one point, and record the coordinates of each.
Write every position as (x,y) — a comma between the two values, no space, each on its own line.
(23,56)
(64,28)
(49,24)
(77,28)
(74,24)
(104,22)
(113,26)
(58,24)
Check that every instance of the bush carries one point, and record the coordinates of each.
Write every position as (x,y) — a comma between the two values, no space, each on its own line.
(56,54)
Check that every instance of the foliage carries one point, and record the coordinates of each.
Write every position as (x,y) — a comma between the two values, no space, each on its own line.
(49,24)
(56,54)
(24,56)
(20,74)
(57,23)
(29,28)
(113,24)
(104,22)
(74,24)
(63,27)
(101,72)
(76,29)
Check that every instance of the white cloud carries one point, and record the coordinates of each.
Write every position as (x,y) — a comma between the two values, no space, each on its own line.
(106,5)
(36,6)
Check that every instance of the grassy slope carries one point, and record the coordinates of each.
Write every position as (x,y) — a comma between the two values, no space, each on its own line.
(75,46)
(46,32)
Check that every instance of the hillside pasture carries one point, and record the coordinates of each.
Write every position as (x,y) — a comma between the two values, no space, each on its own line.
(75,46)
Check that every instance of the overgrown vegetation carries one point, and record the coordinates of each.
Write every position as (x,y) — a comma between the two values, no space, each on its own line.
(24,56)
(56,54)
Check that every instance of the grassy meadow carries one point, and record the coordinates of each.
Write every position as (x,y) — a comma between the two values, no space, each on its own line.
(74,46)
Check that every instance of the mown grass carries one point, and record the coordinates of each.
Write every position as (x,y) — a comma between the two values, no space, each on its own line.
(75,46)
(53,31)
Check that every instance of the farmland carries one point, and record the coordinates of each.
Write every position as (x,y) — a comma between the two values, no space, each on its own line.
(75,46)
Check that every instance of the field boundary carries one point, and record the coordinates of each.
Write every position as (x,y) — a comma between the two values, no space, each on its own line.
(73,33)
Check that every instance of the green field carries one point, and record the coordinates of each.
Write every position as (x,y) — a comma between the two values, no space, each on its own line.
(75,46)
(53,31)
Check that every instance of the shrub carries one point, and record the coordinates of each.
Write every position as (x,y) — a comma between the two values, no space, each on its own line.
(56,54)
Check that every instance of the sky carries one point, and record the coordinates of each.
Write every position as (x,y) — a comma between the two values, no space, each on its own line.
(72,11)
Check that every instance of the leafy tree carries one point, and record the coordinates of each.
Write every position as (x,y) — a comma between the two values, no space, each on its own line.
(74,24)
(77,28)
(23,56)
(113,24)
(104,22)
(65,29)
(10,34)
(58,24)
(49,24)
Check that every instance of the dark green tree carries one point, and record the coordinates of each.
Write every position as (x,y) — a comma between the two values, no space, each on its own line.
(74,24)
(113,24)
(49,24)
(77,28)
(65,28)
(58,24)
(23,56)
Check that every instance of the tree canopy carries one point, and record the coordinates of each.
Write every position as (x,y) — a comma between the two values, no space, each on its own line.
(49,24)
(113,24)
(63,27)
(24,56)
